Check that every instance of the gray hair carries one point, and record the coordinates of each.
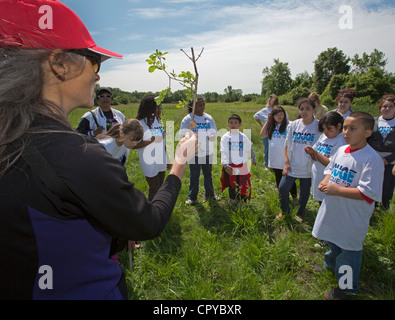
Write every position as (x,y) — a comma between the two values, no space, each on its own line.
(21,83)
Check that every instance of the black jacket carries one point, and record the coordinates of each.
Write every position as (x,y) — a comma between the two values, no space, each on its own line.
(39,230)
(379,144)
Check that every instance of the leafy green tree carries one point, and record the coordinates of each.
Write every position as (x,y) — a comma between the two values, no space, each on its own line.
(374,60)
(303,79)
(329,63)
(232,95)
(211,96)
(277,79)
(291,97)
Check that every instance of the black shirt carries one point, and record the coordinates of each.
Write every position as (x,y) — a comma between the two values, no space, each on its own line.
(36,229)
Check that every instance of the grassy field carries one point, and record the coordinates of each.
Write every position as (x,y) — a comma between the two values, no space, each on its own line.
(214,251)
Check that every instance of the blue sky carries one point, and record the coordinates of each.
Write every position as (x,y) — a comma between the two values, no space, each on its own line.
(239,38)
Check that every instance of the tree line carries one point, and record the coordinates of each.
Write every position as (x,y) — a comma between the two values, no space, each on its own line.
(333,71)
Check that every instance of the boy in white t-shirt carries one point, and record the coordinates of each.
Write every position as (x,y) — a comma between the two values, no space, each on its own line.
(235,148)
(353,182)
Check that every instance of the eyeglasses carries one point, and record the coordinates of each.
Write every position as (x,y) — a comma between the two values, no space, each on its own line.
(94,58)
(105,96)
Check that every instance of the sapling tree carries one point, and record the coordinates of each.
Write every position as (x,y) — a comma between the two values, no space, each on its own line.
(186,79)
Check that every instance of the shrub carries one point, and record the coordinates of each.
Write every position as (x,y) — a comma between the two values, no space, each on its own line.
(291,97)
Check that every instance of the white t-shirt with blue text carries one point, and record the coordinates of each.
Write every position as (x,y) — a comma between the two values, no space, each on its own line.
(153,158)
(206,127)
(327,147)
(300,136)
(385,126)
(345,221)
(276,148)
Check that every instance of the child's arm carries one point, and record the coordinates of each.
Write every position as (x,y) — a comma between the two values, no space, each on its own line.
(144,143)
(324,183)
(352,193)
(334,189)
(264,130)
(316,156)
(287,165)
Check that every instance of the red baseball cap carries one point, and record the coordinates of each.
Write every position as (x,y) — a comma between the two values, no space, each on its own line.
(45,24)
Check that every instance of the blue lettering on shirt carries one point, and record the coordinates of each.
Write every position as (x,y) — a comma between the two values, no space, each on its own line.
(342,173)
(303,137)
(325,149)
(236,145)
(277,134)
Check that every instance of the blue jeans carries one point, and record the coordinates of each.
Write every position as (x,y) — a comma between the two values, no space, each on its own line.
(266,151)
(194,174)
(337,257)
(285,187)
(388,186)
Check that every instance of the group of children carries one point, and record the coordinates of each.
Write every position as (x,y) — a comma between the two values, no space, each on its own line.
(327,153)
(332,155)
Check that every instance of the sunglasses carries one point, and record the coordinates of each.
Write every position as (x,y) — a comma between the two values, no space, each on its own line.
(105,96)
(94,58)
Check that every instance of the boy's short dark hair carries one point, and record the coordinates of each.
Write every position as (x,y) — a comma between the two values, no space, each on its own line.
(368,120)
(234,116)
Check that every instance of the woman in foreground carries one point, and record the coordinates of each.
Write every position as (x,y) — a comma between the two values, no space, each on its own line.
(56,229)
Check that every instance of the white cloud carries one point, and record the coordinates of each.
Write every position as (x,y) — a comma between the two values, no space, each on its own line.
(244,39)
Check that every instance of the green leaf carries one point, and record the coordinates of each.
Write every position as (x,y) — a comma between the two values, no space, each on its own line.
(152,69)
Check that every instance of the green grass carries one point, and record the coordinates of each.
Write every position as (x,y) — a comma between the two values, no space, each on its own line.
(214,251)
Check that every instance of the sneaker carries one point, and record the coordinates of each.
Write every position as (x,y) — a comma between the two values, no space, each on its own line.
(213,198)
(190,202)
(299,219)
(321,245)
(336,294)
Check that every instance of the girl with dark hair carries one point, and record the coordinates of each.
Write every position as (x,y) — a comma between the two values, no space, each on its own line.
(261,117)
(275,129)
(152,149)
(344,102)
(331,125)
(300,133)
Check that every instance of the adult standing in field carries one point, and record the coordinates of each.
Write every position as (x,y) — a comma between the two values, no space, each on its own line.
(101,119)
(152,148)
(320,109)
(383,141)
(261,117)
(63,197)
(204,126)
